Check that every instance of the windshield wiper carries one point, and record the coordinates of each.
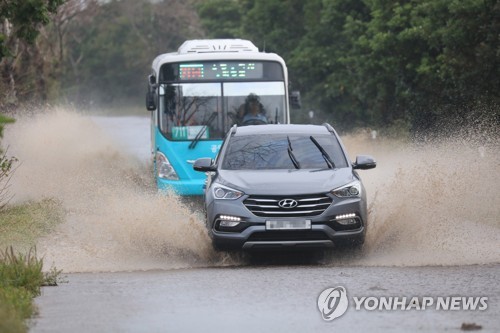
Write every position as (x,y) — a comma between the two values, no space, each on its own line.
(292,156)
(325,155)
(198,136)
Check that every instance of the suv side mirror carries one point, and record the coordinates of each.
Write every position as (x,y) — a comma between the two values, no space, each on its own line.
(364,162)
(205,164)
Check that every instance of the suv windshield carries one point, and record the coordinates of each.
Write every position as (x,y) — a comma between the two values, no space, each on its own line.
(258,152)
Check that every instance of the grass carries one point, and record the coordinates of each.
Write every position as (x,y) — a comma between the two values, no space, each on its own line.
(22,225)
(21,279)
(21,275)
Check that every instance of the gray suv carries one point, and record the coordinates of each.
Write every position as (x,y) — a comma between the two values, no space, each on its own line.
(284,187)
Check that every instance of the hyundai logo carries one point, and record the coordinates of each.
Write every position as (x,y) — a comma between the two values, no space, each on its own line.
(288,203)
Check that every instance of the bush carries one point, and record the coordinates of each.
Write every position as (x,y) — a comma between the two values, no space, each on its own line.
(21,277)
(21,271)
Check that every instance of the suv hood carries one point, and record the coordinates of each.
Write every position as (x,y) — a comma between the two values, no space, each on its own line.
(285,182)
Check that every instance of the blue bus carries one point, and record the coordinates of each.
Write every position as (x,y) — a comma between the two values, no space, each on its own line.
(198,93)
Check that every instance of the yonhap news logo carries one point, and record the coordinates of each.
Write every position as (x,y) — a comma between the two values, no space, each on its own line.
(333,303)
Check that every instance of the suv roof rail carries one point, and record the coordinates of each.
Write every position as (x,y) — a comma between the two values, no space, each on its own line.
(233,129)
(329,127)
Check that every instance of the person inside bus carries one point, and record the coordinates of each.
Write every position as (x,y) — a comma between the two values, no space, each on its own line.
(254,113)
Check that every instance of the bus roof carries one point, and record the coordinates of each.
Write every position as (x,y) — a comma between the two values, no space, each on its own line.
(215,49)
(217,45)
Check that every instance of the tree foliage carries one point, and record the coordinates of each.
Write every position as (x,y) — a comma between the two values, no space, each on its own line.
(107,48)
(91,51)
(20,24)
(21,19)
(356,62)
(374,62)
(221,18)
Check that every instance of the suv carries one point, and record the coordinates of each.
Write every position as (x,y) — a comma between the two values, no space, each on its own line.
(283,187)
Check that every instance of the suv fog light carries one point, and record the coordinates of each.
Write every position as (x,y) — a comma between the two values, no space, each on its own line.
(229,221)
(346,219)
(229,224)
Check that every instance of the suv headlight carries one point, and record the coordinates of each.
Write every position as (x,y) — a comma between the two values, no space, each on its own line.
(224,192)
(164,169)
(350,190)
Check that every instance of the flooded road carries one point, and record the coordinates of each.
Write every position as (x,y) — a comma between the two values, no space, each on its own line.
(137,261)
(262,299)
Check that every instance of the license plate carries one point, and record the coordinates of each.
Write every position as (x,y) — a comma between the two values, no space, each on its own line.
(288,225)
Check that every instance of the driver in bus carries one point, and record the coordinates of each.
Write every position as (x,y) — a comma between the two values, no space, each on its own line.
(254,113)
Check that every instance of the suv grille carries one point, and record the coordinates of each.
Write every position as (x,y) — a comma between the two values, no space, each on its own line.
(307,205)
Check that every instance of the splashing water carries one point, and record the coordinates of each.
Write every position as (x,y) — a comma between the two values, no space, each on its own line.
(430,204)
(114,220)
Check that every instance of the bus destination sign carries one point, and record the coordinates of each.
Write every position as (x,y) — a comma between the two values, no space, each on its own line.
(220,70)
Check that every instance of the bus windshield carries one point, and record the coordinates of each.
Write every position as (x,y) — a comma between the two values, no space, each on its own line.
(207,110)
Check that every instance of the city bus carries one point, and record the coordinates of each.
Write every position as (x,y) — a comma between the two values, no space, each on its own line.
(198,93)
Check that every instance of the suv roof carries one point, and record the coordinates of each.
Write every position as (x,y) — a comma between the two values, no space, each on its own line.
(280,128)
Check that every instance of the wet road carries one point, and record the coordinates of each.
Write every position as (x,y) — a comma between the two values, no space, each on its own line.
(136,262)
(263,299)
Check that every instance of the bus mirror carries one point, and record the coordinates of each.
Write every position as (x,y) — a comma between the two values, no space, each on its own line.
(150,101)
(295,102)
(152,80)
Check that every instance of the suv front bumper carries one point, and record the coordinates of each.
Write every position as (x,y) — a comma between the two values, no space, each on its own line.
(251,232)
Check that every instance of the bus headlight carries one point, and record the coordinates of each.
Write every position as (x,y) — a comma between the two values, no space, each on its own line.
(164,169)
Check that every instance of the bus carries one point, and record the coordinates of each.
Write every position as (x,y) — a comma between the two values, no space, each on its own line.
(198,93)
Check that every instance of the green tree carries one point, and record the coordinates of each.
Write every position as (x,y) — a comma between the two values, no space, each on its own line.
(428,61)
(109,48)
(21,19)
(221,18)
(375,62)
(20,23)
(324,61)
(273,25)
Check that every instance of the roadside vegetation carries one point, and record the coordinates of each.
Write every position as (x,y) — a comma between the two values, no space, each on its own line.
(21,225)
(21,274)
(21,271)
(21,278)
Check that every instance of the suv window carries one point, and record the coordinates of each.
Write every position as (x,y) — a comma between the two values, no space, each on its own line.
(260,152)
